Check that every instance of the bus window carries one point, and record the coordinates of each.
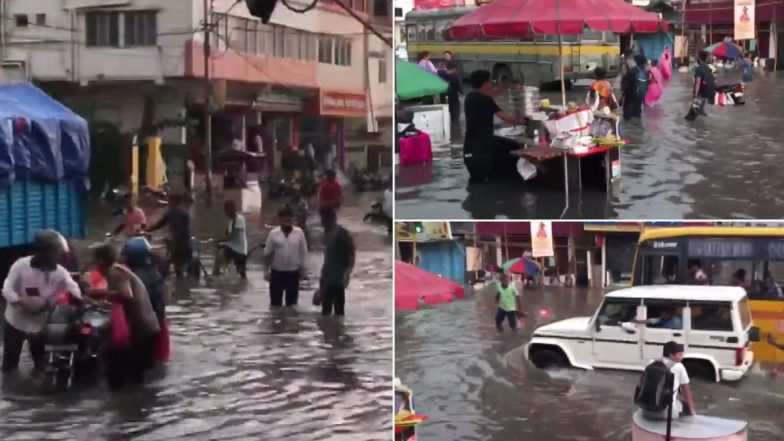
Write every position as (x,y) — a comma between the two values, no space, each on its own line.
(659,269)
(411,33)
(427,31)
(591,35)
(441,27)
(770,274)
(729,272)
(610,37)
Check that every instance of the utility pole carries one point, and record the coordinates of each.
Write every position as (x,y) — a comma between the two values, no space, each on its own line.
(207,102)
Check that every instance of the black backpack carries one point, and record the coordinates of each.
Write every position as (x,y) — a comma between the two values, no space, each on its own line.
(655,389)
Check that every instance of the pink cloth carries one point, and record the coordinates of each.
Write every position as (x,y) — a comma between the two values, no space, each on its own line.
(654,88)
(416,149)
(665,63)
(133,221)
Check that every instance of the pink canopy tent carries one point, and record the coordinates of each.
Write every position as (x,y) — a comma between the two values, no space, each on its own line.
(411,283)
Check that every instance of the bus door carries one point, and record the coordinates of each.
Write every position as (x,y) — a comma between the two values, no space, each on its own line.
(766,300)
(659,262)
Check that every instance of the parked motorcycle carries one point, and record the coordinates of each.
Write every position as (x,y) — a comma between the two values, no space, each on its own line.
(733,94)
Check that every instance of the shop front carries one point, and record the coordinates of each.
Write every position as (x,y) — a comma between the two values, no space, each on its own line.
(328,123)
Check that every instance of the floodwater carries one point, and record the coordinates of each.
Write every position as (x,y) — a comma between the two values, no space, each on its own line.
(239,370)
(475,384)
(723,166)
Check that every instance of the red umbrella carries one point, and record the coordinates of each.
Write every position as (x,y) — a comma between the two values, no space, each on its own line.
(412,283)
(523,18)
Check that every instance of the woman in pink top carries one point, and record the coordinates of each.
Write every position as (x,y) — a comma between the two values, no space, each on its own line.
(665,63)
(655,88)
(423,61)
(134,220)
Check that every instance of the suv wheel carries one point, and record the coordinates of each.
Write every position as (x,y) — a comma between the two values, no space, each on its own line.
(548,359)
(700,370)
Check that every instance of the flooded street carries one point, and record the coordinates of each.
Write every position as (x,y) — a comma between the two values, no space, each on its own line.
(475,385)
(239,370)
(722,166)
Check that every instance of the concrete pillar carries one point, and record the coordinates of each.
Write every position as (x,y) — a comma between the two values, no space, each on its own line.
(605,281)
(499,257)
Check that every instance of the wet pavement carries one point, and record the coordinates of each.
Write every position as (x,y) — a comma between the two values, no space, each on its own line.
(239,370)
(723,166)
(475,384)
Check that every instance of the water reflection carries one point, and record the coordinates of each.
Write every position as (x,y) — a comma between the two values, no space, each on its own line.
(715,167)
(475,385)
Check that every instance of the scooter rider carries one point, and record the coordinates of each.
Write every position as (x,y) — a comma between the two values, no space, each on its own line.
(30,290)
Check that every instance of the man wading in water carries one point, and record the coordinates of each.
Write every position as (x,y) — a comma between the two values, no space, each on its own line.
(485,154)
(338,263)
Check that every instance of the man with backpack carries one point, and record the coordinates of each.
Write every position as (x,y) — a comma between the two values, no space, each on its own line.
(665,383)
(704,87)
(634,86)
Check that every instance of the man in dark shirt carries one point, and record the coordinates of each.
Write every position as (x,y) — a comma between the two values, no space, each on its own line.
(339,258)
(486,155)
(704,85)
(178,218)
(454,91)
(630,100)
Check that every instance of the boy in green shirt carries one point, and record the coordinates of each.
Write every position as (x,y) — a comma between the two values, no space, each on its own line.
(508,302)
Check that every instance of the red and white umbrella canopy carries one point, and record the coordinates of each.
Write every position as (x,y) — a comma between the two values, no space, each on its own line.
(523,18)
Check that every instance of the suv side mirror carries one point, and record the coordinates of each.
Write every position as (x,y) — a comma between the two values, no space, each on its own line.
(754,334)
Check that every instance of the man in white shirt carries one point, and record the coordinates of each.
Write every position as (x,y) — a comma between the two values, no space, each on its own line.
(285,255)
(30,290)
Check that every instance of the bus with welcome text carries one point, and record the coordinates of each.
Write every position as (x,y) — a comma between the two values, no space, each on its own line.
(532,61)
(752,257)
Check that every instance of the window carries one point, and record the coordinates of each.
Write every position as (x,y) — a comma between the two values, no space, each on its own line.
(40,19)
(382,70)
(21,20)
(659,269)
(441,28)
(265,39)
(380,8)
(343,53)
(251,37)
(616,311)
(292,44)
(664,314)
(278,42)
(591,35)
(399,12)
(326,48)
(359,5)
(430,31)
(103,29)
(141,28)
(711,316)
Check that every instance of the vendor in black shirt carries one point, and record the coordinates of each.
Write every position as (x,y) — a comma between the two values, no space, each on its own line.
(486,155)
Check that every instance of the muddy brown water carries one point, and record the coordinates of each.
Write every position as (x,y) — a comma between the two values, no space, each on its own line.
(723,166)
(475,384)
(239,370)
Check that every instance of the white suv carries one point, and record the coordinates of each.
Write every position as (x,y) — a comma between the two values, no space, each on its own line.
(631,326)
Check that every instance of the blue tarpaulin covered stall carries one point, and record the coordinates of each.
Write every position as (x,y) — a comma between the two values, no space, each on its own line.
(40,138)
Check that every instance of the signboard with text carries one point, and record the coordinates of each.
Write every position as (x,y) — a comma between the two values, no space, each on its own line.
(744,19)
(342,104)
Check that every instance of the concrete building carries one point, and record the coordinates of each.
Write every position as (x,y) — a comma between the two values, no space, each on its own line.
(317,77)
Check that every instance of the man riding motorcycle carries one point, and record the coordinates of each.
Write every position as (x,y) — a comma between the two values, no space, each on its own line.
(31,290)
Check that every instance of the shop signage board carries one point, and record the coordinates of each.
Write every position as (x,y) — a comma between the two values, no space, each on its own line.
(347,104)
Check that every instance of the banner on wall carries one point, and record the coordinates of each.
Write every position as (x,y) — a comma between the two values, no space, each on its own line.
(744,19)
(542,238)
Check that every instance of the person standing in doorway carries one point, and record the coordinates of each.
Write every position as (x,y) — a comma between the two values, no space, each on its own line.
(285,256)
(338,264)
